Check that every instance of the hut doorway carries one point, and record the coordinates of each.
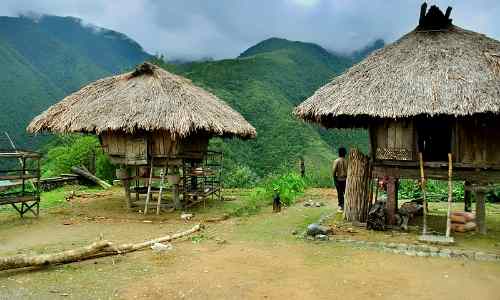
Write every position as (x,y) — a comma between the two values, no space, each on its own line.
(434,139)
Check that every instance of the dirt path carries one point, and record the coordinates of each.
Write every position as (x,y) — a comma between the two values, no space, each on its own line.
(246,270)
(241,258)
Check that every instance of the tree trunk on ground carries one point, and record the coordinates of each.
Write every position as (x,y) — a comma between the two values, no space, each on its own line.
(96,249)
(90,177)
(357,196)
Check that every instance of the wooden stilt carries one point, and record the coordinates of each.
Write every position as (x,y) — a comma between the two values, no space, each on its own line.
(481,211)
(148,195)
(422,185)
(162,182)
(128,198)
(450,195)
(137,182)
(392,200)
(123,174)
(467,197)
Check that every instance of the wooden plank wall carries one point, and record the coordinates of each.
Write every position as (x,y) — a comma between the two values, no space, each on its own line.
(478,142)
(159,143)
(394,135)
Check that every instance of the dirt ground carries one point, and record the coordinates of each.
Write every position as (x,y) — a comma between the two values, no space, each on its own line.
(253,257)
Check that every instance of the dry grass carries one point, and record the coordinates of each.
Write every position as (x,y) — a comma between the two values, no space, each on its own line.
(148,98)
(452,72)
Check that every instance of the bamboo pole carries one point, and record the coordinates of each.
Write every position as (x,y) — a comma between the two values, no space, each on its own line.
(450,196)
(148,195)
(422,185)
(162,182)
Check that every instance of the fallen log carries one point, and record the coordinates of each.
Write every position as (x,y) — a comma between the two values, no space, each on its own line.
(22,261)
(96,249)
(90,177)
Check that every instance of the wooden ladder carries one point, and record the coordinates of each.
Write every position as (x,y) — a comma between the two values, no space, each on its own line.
(426,237)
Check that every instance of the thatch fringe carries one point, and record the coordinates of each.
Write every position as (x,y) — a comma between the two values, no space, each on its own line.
(148,98)
(451,72)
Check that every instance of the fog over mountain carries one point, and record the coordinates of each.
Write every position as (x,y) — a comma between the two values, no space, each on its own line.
(194,29)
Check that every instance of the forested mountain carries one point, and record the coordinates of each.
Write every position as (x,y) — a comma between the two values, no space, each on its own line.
(265,83)
(44,59)
(47,58)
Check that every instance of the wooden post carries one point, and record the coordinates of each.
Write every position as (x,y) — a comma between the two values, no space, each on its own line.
(123,174)
(467,197)
(480,211)
(357,187)
(302,167)
(150,182)
(422,185)
(392,200)
(450,195)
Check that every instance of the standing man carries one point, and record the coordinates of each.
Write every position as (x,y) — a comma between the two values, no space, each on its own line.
(339,172)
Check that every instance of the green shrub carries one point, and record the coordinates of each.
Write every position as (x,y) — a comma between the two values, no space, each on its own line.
(76,150)
(241,177)
(436,190)
(258,198)
(289,185)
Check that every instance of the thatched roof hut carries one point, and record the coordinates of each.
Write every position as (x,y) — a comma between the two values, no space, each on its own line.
(435,91)
(151,119)
(150,99)
(429,71)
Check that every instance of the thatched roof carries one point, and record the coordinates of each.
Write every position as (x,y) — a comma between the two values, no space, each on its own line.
(448,71)
(148,98)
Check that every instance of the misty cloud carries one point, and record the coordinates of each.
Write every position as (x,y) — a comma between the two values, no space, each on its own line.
(191,29)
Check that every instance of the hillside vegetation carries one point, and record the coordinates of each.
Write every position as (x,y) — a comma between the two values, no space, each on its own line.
(45,59)
(50,57)
(265,83)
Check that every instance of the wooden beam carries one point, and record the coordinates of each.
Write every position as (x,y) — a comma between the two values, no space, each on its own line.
(481,211)
(467,197)
(472,175)
(392,200)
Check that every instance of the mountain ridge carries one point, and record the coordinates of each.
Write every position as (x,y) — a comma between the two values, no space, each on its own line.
(58,55)
(48,57)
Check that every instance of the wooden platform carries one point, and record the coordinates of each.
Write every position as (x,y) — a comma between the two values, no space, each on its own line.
(22,167)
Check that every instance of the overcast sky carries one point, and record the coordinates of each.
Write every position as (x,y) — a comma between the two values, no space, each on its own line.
(224,28)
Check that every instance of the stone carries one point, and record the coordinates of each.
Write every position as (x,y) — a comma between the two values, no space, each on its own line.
(295,232)
(220,241)
(315,229)
(317,204)
(159,247)
(457,253)
(422,248)
(411,253)
(433,249)
(392,245)
(485,256)
(321,237)
(444,253)
(371,244)
(422,253)
(412,248)
(402,247)
(469,254)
